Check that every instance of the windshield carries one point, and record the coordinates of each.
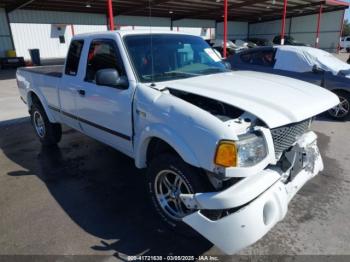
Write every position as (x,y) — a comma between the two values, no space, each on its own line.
(174,57)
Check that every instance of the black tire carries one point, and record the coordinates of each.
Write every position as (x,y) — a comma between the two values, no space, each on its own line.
(194,180)
(51,133)
(344,98)
(348,50)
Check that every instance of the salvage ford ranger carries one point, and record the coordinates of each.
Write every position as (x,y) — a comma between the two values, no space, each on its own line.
(225,151)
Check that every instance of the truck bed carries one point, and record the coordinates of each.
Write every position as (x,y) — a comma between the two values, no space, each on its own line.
(54,71)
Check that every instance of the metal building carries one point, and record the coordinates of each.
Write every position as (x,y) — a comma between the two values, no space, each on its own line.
(49,25)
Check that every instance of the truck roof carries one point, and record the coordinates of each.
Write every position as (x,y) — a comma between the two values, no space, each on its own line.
(128,32)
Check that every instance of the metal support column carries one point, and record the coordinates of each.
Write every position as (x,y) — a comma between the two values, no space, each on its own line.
(317,43)
(10,30)
(110,15)
(225,28)
(341,31)
(283,30)
(72,29)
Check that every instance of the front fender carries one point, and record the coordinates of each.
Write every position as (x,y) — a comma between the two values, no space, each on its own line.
(169,136)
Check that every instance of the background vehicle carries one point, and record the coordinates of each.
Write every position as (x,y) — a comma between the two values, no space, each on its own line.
(260,41)
(219,152)
(288,40)
(243,43)
(231,48)
(345,43)
(305,63)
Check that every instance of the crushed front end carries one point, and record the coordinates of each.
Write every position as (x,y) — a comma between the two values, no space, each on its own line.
(259,199)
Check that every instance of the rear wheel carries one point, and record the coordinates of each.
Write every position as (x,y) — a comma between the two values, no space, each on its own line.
(342,110)
(48,133)
(168,177)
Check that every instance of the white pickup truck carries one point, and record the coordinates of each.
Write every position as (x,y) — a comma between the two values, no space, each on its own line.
(225,151)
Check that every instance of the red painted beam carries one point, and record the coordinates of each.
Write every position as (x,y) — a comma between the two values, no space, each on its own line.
(317,43)
(110,14)
(341,30)
(283,30)
(225,27)
(72,29)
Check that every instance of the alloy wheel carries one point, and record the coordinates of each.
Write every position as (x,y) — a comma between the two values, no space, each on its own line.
(342,109)
(168,187)
(39,124)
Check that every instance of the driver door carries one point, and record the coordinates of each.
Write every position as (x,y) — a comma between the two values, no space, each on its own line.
(105,112)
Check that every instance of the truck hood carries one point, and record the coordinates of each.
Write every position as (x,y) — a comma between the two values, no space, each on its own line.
(276,100)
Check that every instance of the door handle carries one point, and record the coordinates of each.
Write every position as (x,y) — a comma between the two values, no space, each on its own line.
(81,92)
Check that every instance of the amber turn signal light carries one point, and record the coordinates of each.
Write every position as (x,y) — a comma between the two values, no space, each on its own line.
(226,154)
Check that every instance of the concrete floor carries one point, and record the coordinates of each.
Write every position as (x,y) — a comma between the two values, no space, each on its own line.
(11,107)
(84,198)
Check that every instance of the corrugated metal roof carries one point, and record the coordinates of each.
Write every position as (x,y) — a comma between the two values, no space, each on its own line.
(249,10)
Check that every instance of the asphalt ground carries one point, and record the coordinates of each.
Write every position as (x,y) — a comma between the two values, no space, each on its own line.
(84,198)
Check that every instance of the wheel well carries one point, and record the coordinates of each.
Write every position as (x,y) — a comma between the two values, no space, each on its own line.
(341,91)
(33,99)
(157,146)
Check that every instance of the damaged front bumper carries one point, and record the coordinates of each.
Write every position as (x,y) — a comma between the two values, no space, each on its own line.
(258,202)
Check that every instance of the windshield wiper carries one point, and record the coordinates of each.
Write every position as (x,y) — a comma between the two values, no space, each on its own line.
(213,70)
(171,74)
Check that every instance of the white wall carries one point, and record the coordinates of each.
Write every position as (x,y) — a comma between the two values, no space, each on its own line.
(5,38)
(46,38)
(303,28)
(204,28)
(36,29)
(141,21)
(27,23)
(235,30)
(82,29)
(53,17)
(190,26)
(194,23)
(267,30)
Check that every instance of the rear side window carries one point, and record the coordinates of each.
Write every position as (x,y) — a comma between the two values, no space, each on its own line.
(73,57)
(262,58)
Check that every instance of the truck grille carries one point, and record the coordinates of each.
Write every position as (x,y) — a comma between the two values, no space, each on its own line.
(285,136)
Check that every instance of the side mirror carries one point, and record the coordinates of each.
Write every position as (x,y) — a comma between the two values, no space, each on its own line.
(317,70)
(110,77)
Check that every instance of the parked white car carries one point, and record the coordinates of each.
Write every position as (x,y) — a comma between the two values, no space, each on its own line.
(225,152)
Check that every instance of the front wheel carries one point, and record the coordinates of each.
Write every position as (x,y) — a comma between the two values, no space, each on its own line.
(342,110)
(168,177)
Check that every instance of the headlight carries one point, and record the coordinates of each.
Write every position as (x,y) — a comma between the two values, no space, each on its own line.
(249,150)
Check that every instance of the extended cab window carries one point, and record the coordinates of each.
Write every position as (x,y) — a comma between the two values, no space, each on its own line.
(73,57)
(103,54)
